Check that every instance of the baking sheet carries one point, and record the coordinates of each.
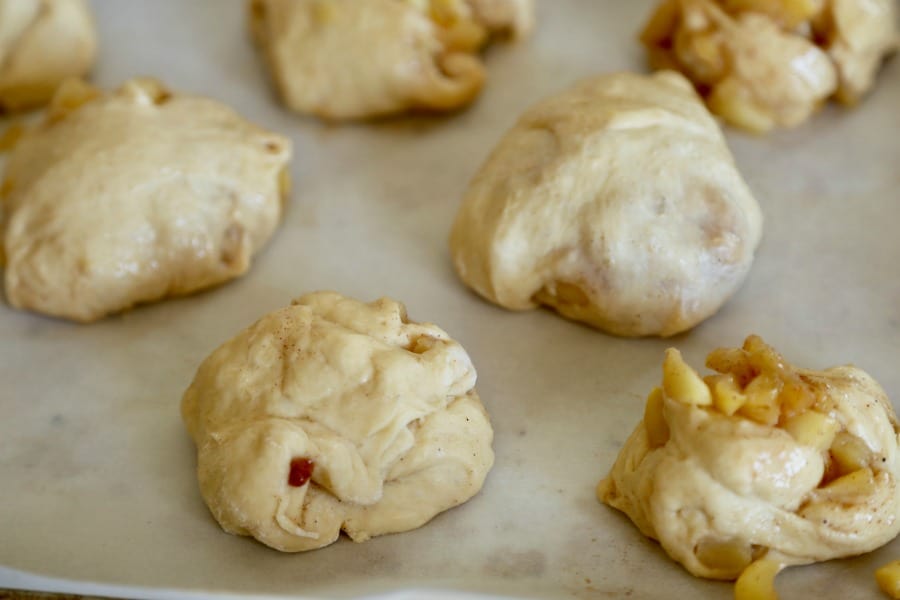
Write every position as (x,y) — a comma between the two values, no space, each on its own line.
(97,486)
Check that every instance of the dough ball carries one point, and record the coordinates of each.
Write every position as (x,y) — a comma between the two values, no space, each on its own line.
(762,63)
(133,196)
(42,42)
(332,415)
(616,203)
(352,59)
(858,35)
(761,461)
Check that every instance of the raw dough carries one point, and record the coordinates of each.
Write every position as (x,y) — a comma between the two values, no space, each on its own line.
(617,203)
(762,63)
(351,59)
(857,34)
(133,196)
(763,461)
(382,411)
(42,42)
(515,17)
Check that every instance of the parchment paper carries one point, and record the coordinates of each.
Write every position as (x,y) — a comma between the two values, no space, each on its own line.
(97,484)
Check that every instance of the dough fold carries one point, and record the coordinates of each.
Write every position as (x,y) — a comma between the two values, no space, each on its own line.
(858,35)
(384,409)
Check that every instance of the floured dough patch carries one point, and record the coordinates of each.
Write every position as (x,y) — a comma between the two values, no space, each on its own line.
(133,196)
(760,463)
(617,203)
(351,59)
(42,42)
(332,415)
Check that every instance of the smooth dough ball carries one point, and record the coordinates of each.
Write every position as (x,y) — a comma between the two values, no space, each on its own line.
(133,196)
(351,59)
(762,461)
(617,203)
(42,42)
(762,63)
(332,415)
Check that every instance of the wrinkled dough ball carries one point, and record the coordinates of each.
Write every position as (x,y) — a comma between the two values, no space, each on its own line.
(334,415)
(42,42)
(616,203)
(134,196)
(762,64)
(352,59)
(858,35)
(760,462)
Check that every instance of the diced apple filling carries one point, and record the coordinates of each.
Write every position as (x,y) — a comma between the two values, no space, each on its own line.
(754,383)
(655,420)
(681,382)
(757,383)
(888,578)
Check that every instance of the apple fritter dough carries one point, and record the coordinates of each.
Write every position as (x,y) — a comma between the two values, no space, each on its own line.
(766,63)
(332,415)
(615,202)
(857,34)
(42,42)
(353,59)
(761,462)
(133,196)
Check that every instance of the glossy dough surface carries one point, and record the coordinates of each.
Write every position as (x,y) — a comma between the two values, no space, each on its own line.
(813,480)
(132,196)
(42,42)
(617,203)
(384,408)
(351,59)
(763,64)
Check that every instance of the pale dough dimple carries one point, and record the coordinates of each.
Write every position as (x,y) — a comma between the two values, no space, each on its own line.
(136,195)
(42,42)
(615,202)
(351,59)
(385,409)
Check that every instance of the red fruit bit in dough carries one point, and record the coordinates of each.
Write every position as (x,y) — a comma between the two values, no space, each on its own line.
(301,471)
